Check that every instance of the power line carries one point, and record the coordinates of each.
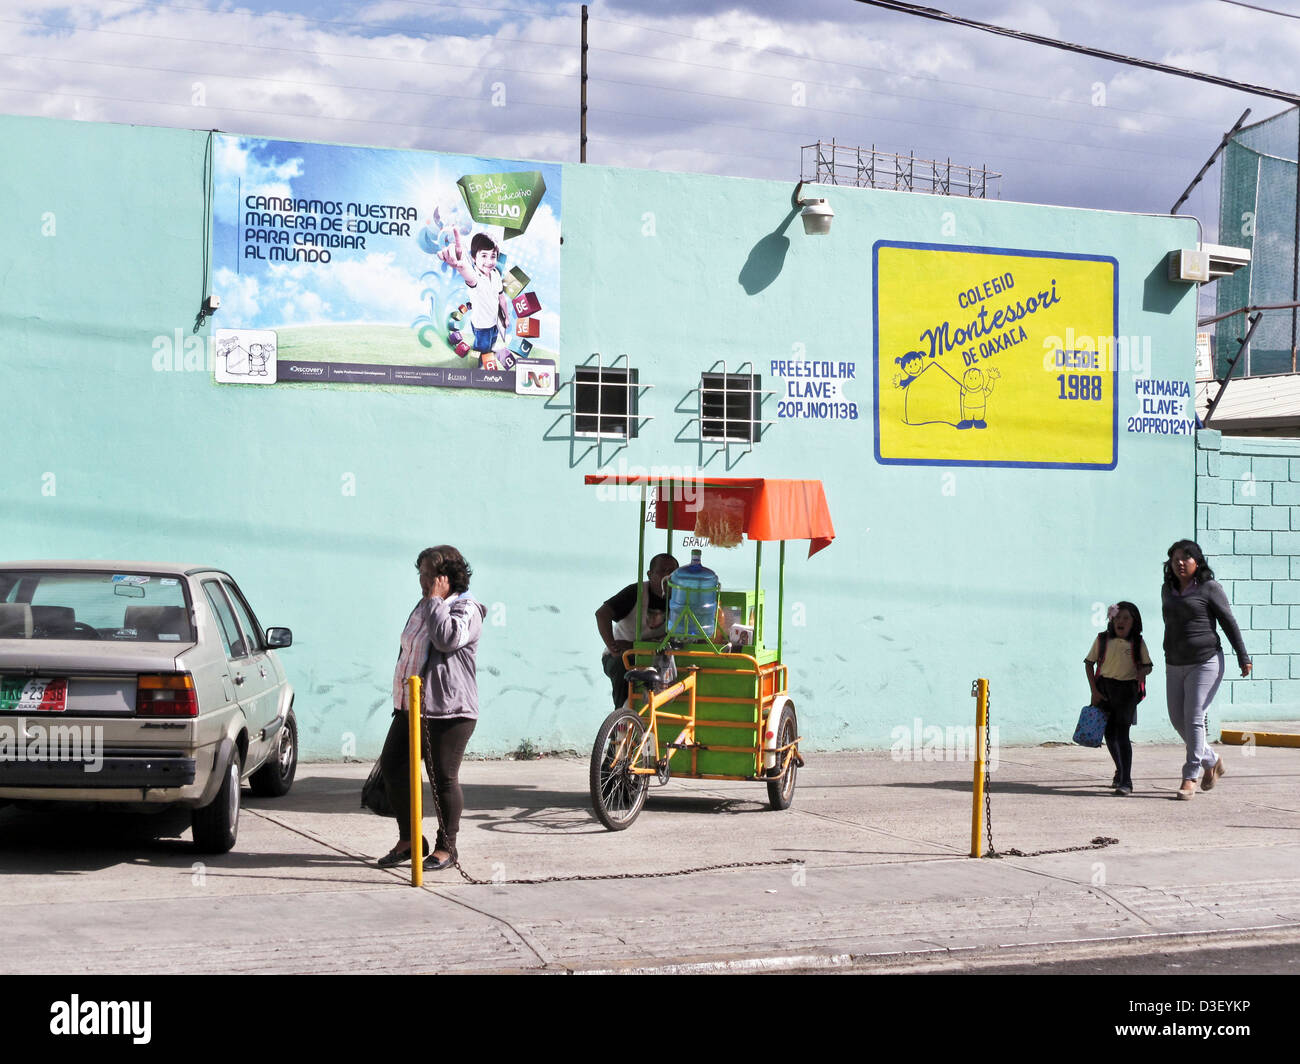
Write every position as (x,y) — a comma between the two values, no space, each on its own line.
(549,73)
(1255,7)
(881,118)
(635,84)
(1082,49)
(898,95)
(904,74)
(423,62)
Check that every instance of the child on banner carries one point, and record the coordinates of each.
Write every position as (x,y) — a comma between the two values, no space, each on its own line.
(489,311)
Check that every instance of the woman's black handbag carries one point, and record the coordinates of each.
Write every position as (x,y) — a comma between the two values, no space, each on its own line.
(374,795)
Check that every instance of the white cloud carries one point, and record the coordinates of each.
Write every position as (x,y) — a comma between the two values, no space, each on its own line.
(240,298)
(712,93)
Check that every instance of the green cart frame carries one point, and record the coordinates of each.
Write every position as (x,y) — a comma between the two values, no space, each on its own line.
(706,709)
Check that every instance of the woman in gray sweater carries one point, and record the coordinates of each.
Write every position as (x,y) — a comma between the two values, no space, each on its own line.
(439,643)
(1193,602)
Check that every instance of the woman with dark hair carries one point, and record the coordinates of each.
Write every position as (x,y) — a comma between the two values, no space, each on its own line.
(1193,602)
(439,644)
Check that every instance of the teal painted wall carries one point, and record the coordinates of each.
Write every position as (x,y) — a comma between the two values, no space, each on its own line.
(1248,525)
(938,575)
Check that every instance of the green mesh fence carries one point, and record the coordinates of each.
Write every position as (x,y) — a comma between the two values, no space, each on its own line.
(1257,211)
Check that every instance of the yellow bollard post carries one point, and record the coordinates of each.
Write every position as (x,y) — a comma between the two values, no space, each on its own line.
(980,689)
(417,790)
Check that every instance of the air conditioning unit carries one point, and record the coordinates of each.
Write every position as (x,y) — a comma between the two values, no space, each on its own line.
(1191,267)
(1207,263)
(1225,260)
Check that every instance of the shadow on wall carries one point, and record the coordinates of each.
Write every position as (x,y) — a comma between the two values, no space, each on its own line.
(766,258)
(1161,295)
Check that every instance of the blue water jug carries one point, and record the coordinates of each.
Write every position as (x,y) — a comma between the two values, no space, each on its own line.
(696,587)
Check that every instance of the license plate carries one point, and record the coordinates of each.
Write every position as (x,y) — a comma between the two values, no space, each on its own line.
(33,696)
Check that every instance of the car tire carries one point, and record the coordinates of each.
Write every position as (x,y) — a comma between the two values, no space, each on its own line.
(276,776)
(216,825)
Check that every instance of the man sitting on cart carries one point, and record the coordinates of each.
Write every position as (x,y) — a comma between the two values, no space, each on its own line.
(616,621)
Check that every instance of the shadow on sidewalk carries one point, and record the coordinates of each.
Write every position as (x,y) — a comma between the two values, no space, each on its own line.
(318,794)
(1046,788)
(77,840)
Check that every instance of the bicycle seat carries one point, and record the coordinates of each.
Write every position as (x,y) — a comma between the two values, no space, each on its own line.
(646,675)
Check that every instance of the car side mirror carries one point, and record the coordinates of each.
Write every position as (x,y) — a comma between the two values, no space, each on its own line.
(279,638)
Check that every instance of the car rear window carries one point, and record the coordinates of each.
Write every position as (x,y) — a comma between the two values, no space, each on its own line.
(122,607)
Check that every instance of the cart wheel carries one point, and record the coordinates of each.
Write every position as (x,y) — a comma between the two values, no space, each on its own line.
(780,792)
(617,794)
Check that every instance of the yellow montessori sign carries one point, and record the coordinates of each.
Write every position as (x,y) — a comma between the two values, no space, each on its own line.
(992,357)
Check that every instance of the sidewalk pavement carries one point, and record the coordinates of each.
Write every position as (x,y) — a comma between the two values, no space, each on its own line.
(878,876)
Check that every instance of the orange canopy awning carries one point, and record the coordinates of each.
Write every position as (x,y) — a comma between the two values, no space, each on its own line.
(774,509)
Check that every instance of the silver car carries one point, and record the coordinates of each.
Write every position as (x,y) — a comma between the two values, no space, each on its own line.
(140,684)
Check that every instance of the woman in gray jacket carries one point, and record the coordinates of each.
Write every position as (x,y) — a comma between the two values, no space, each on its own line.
(439,643)
(1193,602)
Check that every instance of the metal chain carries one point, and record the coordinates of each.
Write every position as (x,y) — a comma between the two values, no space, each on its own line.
(1099,842)
(437,808)
(624,875)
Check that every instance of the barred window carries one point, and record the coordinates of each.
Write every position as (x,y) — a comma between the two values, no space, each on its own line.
(605,402)
(730,407)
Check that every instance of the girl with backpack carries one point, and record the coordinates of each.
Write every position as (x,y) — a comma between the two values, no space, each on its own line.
(1117,665)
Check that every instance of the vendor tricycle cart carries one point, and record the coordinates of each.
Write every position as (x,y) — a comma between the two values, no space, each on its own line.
(710,700)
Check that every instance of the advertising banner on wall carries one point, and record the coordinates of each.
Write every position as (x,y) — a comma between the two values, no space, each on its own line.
(362,265)
(997,357)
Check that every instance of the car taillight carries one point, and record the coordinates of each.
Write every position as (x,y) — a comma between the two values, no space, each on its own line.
(166,695)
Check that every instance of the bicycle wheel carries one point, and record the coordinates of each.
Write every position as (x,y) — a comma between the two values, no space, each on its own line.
(617,793)
(780,791)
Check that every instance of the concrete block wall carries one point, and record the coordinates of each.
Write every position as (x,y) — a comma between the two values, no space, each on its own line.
(1248,525)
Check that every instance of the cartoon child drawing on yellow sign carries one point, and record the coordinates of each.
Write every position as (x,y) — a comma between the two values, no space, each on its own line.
(932,395)
(974,393)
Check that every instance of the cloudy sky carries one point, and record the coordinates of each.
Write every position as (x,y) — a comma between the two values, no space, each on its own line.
(689,85)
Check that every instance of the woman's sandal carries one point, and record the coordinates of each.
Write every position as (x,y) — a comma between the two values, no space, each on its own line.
(396,856)
(432,864)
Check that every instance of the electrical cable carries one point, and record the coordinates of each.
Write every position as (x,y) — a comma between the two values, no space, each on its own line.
(934,14)
(1265,10)
(881,118)
(904,74)
(1056,119)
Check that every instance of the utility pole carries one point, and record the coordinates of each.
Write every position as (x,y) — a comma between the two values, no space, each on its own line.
(582,143)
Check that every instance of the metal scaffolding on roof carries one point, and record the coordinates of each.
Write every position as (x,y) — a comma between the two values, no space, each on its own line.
(829,163)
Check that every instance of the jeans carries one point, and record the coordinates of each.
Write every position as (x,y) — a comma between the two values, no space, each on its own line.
(613,667)
(443,742)
(1190,690)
